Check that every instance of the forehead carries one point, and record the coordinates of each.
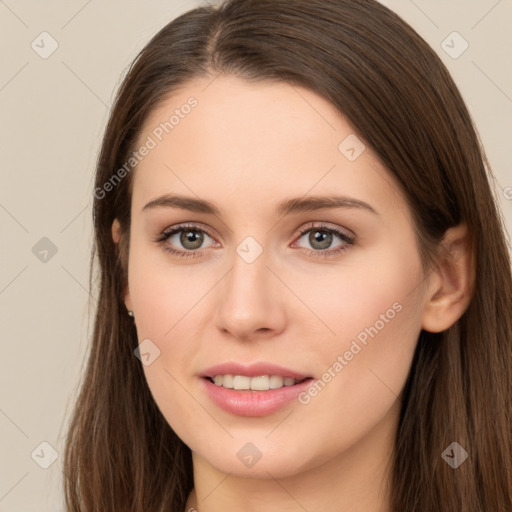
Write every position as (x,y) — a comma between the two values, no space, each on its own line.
(249,113)
(230,137)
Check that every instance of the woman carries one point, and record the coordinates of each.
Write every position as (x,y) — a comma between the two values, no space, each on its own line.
(305,290)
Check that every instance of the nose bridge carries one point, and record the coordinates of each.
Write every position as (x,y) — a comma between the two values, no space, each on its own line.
(247,302)
(249,275)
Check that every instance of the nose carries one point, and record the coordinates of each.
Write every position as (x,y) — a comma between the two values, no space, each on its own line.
(251,300)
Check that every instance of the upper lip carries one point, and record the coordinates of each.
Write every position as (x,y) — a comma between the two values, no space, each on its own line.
(251,370)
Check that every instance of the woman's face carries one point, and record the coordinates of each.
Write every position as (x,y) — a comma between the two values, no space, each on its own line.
(267,279)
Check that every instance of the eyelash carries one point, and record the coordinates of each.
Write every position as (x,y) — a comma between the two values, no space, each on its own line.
(348,240)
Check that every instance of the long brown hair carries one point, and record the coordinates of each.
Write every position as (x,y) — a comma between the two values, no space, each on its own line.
(120,453)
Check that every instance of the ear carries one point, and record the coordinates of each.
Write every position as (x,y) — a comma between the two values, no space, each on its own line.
(452,281)
(116,236)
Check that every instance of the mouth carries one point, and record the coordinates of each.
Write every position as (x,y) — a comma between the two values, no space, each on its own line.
(258,383)
(258,395)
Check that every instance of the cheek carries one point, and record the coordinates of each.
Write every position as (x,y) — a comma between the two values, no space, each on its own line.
(163,294)
(374,295)
(373,312)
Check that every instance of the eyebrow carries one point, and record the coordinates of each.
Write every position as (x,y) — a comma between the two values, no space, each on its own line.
(287,207)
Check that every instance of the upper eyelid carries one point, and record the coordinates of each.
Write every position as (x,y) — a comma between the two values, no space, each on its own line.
(182,227)
(324,226)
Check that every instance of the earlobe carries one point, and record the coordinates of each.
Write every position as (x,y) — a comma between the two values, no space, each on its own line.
(452,281)
(128,303)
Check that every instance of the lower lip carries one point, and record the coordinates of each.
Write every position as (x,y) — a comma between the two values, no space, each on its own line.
(253,403)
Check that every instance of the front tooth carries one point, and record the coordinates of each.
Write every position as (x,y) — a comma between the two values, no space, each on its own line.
(260,383)
(289,381)
(241,382)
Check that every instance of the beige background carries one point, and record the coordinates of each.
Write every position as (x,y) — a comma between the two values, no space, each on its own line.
(53,113)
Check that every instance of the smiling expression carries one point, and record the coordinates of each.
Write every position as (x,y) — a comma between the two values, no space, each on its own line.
(254,238)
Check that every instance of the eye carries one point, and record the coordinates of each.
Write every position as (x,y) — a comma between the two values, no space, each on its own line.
(189,237)
(321,238)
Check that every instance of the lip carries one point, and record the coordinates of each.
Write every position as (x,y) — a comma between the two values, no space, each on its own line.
(253,403)
(251,370)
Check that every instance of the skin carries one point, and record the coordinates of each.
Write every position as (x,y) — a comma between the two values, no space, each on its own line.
(246,147)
